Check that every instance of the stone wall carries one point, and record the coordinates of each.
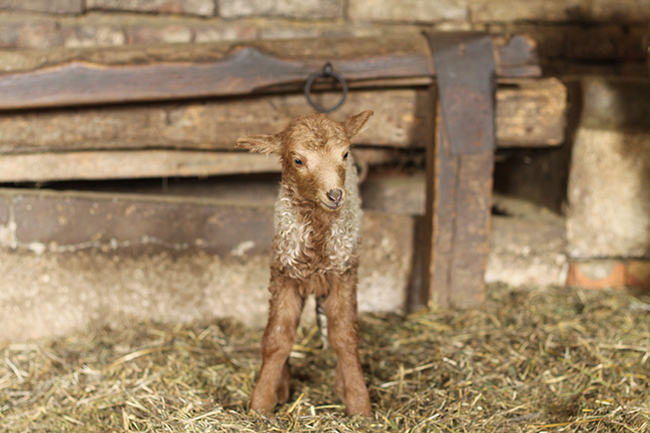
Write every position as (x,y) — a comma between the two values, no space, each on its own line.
(55,283)
(73,23)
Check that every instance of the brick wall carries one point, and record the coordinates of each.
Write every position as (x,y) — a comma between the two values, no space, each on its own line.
(73,23)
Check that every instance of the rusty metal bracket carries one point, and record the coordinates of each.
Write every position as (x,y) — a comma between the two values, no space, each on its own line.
(465,77)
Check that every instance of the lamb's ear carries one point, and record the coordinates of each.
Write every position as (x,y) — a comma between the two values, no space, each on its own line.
(266,144)
(355,124)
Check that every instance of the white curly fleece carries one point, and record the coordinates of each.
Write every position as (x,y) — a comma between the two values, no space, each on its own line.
(293,235)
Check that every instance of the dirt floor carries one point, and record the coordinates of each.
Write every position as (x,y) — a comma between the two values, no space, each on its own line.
(555,360)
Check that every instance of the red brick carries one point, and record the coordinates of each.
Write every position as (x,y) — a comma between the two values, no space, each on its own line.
(597,274)
(638,274)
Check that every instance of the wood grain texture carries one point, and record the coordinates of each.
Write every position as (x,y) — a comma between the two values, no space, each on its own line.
(471,229)
(458,204)
(81,77)
(88,165)
(442,172)
(529,113)
(68,77)
(43,167)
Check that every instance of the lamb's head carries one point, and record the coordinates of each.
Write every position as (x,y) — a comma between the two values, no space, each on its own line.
(313,150)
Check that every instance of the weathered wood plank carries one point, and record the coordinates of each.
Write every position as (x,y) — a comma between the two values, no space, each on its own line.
(516,56)
(64,77)
(459,191)
(41,167)
(210,125)
(88,165)
(471,230)
(529,113)
(75,77)
(442,172)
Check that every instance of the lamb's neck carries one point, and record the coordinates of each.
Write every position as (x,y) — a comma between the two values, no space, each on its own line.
(311,213)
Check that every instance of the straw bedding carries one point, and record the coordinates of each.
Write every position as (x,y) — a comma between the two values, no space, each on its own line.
(526,361)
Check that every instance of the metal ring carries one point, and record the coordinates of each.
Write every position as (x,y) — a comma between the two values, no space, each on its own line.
(325,73)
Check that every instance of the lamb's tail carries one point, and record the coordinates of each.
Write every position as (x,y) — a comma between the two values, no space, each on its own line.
(321,321)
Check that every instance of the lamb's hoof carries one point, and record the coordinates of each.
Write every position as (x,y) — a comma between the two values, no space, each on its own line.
(263,406)
(283,394)
(366,413)
(260,412)
(361,408)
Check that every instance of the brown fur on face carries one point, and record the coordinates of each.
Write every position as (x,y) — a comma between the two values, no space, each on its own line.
(317,219)
(313,150)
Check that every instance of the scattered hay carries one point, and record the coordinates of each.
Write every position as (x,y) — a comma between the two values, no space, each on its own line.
(556,360)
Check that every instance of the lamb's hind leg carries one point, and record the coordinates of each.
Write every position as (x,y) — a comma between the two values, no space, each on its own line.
(343,327)
(273,382)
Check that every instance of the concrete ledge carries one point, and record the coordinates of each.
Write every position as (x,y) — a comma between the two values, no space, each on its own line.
(68,258)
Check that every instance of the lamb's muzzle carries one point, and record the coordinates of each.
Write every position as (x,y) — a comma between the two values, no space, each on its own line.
(335,195)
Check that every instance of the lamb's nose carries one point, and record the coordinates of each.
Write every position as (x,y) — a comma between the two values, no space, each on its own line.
(335,195)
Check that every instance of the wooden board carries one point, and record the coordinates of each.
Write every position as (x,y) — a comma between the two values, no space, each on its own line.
(457,224)
(42,167)
(89,165)
(529,113)
(64,77)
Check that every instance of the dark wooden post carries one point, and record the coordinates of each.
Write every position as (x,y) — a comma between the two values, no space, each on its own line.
(459,173)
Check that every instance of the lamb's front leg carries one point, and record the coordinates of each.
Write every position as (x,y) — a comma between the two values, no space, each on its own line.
(273,382)
(343,328)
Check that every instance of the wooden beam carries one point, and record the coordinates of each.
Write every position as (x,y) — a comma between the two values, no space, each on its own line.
(78,77)
(529,113)
(459,191)
(87,165)
(460,163)
(66,77)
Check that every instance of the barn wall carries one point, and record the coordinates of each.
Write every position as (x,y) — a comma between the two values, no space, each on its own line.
(74,23)
(52,284)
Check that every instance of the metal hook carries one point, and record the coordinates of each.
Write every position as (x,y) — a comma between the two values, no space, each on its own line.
(327,72)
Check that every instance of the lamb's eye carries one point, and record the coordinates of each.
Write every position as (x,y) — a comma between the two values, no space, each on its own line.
(298,161)
(346,155)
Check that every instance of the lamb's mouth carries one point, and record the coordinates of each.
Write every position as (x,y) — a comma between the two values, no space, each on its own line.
(332,207)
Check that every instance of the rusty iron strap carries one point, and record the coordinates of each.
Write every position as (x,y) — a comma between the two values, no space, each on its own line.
(465,77)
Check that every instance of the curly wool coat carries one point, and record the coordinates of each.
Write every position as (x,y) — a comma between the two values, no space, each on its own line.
(309,243)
